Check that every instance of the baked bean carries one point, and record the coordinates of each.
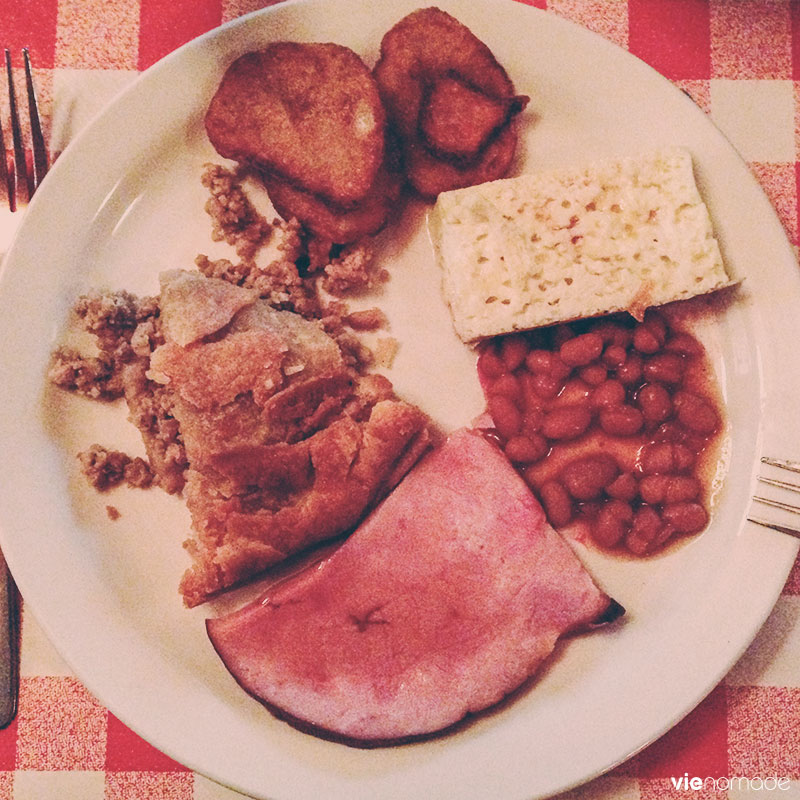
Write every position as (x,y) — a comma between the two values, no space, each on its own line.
(613,333)
(648,531)
(513,350)
(608,393)
(557,503)
(664,368)
(490,364)
(593,374)
(545,385)
(509,385)
(621,420)
(685,517)
(532,420)
(696,413)
(646,339)
(684,345)
(623,487)
(505,414)
(526,449)
(614,355)
(630,371)
(657,489)
(558,369)
(587,476)
(613,521)
(655,403)
(665,457)
(567,422)
(581,350)
(539,360)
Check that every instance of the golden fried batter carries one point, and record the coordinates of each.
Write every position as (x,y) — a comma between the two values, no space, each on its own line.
(450,101)
(309,113)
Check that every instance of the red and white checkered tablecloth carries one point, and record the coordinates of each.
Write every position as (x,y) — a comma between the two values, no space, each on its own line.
(740,61)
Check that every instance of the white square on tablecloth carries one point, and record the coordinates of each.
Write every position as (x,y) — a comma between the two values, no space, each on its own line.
(744,790)
(757,116)
(61,784)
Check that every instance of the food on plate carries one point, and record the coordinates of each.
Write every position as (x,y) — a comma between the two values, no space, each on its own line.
(330,222)
(105,469)
(452,105)
(623,234)
(283,265)
(448,597)
(308,112)
(615,424)
(309,117)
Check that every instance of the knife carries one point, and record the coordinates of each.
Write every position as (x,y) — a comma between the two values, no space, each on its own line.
(9,646)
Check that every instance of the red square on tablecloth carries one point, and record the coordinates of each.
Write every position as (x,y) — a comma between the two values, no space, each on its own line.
(8,747)
(794,11)
(31,24)
(165,25)
(673,36)
(780,183)
(126,751)
(697,745)
(750,39)
(534,3)
(60,725)
(764,731)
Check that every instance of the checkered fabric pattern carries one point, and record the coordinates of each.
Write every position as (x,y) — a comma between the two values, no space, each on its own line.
(740,61)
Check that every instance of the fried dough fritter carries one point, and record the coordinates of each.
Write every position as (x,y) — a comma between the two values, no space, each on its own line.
(451,102)
(326,221)
(308,113)
(457,121)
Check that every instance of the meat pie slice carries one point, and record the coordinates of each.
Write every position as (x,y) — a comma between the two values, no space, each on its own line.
(286,445)
(446,599)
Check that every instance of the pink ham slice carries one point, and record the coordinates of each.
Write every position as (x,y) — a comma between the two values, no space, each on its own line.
(446,599)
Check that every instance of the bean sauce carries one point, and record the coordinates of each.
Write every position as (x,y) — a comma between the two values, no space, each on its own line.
(609,421)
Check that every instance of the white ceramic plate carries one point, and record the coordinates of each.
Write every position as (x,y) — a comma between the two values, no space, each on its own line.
(124,202)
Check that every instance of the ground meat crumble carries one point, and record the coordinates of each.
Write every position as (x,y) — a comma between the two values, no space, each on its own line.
(105,469)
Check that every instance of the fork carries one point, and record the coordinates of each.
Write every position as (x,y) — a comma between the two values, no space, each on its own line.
(21,180)
(789,466)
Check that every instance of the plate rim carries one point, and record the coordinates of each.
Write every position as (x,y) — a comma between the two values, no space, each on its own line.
(64,163)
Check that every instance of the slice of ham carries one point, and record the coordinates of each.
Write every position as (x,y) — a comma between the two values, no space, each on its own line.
(444,600)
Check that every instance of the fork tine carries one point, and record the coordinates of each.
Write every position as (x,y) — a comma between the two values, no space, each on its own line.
(792,487)
(20,168)
(792,466)
(777,504)
(5,173)
(40,165)
(775,527)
